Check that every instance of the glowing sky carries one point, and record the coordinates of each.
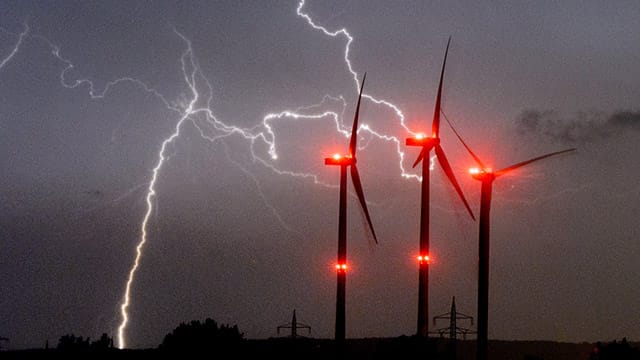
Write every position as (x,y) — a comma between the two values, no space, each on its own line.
(90,90)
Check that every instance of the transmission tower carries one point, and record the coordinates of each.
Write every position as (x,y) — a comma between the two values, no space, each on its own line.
(294,325)
(453,329)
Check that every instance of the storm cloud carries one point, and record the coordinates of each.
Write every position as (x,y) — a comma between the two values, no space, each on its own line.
(579,128)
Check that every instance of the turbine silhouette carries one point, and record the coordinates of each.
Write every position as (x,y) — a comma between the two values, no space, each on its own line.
(486,176)
(341,266)
(428,143)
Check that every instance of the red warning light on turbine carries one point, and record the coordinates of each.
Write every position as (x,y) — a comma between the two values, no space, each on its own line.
(480,174)
(341,267)
(339,159)
(423,259)
(421,139)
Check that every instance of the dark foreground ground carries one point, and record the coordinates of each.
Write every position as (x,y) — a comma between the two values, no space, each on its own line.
(307,348)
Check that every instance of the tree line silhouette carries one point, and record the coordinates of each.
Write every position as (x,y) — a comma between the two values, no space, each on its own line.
(194,336)
(70,342)
(212,339)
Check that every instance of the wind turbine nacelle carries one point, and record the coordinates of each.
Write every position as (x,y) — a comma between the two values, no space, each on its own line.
(338,159)
(422,140)
(482,174)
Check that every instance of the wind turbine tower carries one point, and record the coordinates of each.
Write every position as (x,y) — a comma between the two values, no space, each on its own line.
(345,161)
(486,176)
(427,143)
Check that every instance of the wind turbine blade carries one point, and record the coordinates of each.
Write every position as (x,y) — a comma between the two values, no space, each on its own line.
(354,130)
(420,157)
(436,114)
(473,155)
(357,184)
(521,164)
(447,170)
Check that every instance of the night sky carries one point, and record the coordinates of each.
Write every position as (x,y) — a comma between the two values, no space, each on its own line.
(248,99)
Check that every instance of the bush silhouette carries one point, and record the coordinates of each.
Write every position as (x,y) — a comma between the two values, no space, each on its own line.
(202,336)
(70,342)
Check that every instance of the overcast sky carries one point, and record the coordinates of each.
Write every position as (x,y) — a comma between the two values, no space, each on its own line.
(247,98)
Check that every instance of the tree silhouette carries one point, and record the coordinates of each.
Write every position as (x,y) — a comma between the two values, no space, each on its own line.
(615,351)
(104,343)
(204,336)
(70,342)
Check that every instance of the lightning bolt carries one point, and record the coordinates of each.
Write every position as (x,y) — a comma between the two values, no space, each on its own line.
(152,191)
(204,119)
(186,111)
(197,110)
(212,129)
(15,49)
(343,32)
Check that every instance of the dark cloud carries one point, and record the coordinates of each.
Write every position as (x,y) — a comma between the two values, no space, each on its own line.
(625,119)
(581,127)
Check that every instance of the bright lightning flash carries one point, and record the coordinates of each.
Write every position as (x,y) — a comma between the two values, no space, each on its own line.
(198,111)
(203,118)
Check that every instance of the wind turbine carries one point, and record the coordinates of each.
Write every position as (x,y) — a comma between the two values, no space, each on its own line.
(341,267)
(428,143)
(486,176)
